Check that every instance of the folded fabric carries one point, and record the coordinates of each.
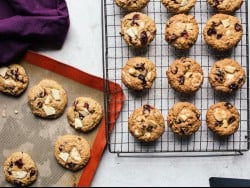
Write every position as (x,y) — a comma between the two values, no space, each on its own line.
(29,24)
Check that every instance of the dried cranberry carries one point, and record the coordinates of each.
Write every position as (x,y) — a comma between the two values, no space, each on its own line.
(32,172)
(71,165)
(10,173)
(211,31)
(136,17)
(184,34)
(150,128)
(75,105)
(86,105)
(11,164)
(175,70)
(219,36)
(19,163)
(39,104)
(144,38)
(81,116)
(142,78)
(231,120)
(233,87)
(238,27)
(42,94)
(220,74)
(17,183)
(140,66)
(240,81)
(173,38)
(182,80)
(198,115)
(147,108)
(228,105)
(218,123)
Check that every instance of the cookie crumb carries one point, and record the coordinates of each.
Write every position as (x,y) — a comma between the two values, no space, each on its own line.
(16,112)
(4,114)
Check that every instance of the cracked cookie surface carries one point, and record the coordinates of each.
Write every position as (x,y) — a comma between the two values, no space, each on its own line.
(146,123)
(227,76)
(178,6)
(138,30)
(223,32)
(13,80)
(48,99)
(182,31)
(139,73)
(85,114)
(72,152)
(184,119)
(20,169)
(223,119)
(132,5)
(185,75)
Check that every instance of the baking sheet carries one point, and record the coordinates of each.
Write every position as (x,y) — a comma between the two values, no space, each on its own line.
(25,132)
(161,95)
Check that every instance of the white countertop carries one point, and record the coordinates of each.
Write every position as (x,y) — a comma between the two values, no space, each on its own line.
(83,49)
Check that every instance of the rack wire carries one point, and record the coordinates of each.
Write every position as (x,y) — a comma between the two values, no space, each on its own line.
(116,53)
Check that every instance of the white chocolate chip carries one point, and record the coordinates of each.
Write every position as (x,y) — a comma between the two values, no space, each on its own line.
(224,124)
(147,134)
(137,132)
(49,110)
(78,123)
(74,154)
(229,77)
(3,71)
(64,156)
(184,3)
(140,118)
(19,174)
(197,79)
(47,100)
(56,94)
(189,26)
(182,117)
(10,83)
(230,69)
(226,23)
(149,76)
(228,33)
(84,112)
(132,32)
(142,24)
(132,71)
(220,114)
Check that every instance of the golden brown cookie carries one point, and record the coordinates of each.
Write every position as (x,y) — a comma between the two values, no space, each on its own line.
(13,80)
(48,99)
(227,76)
(137,29)
(139,73)
(72,152)
(223,32)
(184,119)
(132,5)
(226,6)
(20,169)
(146,124)
(85,114)
(182,31)
(178,6)
(185,75)
(223,119)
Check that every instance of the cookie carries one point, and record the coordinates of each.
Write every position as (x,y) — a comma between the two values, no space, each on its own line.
(47,99)
(138,30)
(139,73)
(223,32)
(146,124)
(226,6)
(13,80)
(72,152)
(20,169)
(185,75)
(132,5)
(184,119)
(182,31)
(85,114)
(227,76)
(223,119)
(178,6)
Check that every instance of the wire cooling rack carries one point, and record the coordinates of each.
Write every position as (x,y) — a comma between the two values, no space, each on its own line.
(117,53)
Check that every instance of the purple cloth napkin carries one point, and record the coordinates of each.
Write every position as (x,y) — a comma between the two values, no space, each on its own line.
(31,24)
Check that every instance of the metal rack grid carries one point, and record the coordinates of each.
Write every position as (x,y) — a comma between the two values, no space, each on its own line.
(116,53)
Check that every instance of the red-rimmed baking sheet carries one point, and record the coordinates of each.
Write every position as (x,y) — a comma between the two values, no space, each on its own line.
(76,83)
